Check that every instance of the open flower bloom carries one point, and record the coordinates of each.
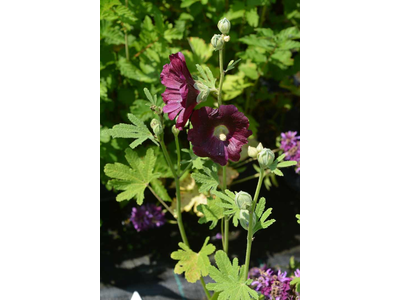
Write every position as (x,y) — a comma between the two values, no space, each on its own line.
(180,94)
(147,216)
(219,133)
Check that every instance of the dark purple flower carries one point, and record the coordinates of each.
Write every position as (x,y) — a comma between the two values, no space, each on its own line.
(219,133)
(180,94)
(147,216)
(290,144)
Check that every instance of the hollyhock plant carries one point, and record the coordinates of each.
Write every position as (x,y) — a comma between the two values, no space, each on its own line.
(147,216)
(219,133)
(180,94)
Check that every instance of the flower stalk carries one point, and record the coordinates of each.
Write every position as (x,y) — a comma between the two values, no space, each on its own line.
(251,220)
(178,192)
(222,75)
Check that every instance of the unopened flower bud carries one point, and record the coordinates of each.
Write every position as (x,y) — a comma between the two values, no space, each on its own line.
(156,126)
(252,151)
(260,147)
(227,38)
(175,130)
(224,26)
(265,157)
(204,91)
(217,42)
(243,200)
(244,218)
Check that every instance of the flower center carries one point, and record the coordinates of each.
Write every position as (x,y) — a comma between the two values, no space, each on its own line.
(220,132)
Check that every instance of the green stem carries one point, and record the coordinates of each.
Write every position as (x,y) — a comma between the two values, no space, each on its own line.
(250,230)
(178,192)
(245,179)
(178,154)
(178,201)
(226,218)
(222,74)
(263,13)
(204,287)
(222,234)
(166,155)
(184,171)
(161,201)
(179,212)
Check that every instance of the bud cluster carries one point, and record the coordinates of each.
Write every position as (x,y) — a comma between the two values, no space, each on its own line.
(218,40)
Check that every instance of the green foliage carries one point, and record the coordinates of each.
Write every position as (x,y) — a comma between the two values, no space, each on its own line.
(193,264)
(296,281)
(230,279)
(298,218)
(132,179)
(208,179)
(137,37)
(212,212)
(137,131)
(229,205)
(232,65)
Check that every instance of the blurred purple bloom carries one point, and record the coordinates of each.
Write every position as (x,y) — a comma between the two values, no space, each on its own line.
(180,94)
(297,273)
(219,133)
(218,236)
(147,216)
(273,285)
(290,144)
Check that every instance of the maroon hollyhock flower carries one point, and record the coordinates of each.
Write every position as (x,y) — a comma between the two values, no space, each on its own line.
(180,94)
(219,133)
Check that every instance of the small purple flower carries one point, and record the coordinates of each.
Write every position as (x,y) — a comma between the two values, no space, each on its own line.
(290,144)
(180,94)
(297,273)
(273,285)
(147,216)
(218,236)
(219,133)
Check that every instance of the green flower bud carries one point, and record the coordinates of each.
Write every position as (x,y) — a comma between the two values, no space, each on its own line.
(156,126)
(204,91)
(243,200)
(244,219)
(265,157)
(175,130)
(217,41)
(224,26)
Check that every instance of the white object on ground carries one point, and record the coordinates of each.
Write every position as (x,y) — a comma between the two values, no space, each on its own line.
(136,296)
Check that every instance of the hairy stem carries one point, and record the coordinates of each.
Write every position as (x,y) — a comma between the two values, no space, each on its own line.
(226,218)
(178,192)
(178,154)
(222,74)
(250,230)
